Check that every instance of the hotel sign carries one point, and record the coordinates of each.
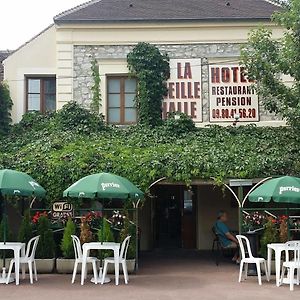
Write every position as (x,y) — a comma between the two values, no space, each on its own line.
(231,95)
(184,89)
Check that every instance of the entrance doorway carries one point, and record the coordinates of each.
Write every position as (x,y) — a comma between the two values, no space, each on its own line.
(174,217)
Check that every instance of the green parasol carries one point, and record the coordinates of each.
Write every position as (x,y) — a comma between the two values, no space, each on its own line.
(104,186)
(284,189)
(15,183)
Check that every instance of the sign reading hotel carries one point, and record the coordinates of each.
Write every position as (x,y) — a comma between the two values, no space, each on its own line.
(231,95)
(184,89)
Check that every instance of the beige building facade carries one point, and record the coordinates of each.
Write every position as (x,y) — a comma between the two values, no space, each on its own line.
(203,40)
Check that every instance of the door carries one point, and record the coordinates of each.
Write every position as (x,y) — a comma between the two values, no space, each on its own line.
(168,217)
(188,222)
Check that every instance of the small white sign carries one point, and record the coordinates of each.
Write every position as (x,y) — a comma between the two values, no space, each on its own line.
(62,210)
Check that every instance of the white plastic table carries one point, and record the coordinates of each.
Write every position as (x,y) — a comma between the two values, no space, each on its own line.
(17,248)
(100,246)
(278,248)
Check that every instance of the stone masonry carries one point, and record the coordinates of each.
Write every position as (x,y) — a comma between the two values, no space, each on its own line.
(83,55)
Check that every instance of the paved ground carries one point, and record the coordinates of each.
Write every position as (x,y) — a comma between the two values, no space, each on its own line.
(187,276)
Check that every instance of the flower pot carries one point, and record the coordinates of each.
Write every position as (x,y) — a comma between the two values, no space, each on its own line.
(45,265)
(66,266)
(272,267)
(130,267)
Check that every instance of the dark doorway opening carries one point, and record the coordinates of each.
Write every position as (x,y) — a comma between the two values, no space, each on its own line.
(174,217)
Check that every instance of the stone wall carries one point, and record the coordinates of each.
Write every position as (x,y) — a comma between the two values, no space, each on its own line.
(83,55)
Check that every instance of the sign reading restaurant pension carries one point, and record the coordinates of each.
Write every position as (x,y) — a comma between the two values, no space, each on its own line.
(184,89)
(231,95)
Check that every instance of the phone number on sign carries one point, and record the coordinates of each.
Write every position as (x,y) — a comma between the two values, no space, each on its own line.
(226,113)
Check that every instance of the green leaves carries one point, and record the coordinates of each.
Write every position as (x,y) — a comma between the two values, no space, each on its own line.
(266,60)
(58,156)
(5,109)
(96,99)
(151,68)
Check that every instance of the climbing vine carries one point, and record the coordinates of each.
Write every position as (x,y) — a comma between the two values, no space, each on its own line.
(96,93)
(151,68)
(5,108)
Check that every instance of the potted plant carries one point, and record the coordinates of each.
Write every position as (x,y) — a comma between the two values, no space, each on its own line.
(45,252)
(270,235)
(65,264)
(129,229)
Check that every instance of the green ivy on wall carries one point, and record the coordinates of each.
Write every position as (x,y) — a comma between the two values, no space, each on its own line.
(96,98)
(151,68)
(57,155)
(5,108)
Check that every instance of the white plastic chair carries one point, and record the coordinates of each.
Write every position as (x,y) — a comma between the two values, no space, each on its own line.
(248,258)
(78,259)
(122,260)
(29,259)
(292,247)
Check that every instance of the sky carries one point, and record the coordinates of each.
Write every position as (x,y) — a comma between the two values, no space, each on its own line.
(20,20)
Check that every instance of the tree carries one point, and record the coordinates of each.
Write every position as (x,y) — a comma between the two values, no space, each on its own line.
(25,232)
(67,242)
(46,245)
(266,60)
(5,108)
(151,68)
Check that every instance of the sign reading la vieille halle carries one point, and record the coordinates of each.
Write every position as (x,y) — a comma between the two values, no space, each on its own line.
(184,89)
(231,94)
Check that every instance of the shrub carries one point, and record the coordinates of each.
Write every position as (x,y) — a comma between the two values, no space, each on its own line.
(25,231)
(74,117)
(46,245)
(86,234)
(67,243)
(129,230)
(179,123)
(105,236)
(34,120)
(269,236)
(5,108)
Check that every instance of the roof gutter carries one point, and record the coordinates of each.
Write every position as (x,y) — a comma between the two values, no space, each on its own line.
(210,20)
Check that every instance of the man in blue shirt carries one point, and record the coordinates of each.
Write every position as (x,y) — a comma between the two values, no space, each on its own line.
(227,239)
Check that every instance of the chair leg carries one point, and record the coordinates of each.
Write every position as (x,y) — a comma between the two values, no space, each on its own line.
(218,252)
(86,271)
(35,270)
(266,271)
(104,272)
(23,271)
(74,271)
(292,272)
(30,272)
(258,272)
(246,271)
(9,271)
(298,277)
(241,271)
(95,271)
(282,275)
(125,271)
